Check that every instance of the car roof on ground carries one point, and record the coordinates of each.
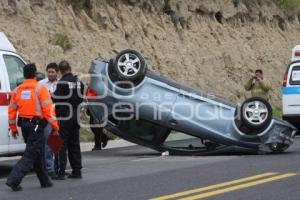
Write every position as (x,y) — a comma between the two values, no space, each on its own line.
(5,44)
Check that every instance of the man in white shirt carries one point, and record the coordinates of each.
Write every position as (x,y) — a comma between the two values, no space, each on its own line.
(50,82)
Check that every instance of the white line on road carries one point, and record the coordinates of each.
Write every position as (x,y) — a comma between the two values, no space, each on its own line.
(143,159)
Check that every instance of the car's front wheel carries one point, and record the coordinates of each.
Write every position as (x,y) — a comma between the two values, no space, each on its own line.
(256,113)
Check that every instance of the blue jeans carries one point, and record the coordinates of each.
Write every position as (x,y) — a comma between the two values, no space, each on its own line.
(49,157)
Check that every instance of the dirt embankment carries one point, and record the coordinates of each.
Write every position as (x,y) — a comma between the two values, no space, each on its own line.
(209,44)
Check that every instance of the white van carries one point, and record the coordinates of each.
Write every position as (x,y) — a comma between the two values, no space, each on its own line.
(11,74)
(291,90)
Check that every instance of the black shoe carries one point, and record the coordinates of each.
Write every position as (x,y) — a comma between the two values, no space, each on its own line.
(66,173)
(75,176)
(15,188)
(59,177)
(96,148)
(104,143)
(47,185)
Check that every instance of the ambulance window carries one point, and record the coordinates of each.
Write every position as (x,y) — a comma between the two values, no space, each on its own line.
(14,67)
(295,76)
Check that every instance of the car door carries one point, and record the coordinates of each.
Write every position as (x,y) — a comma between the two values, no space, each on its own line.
(201,114)
(159,96)
(14,76)
(4,138)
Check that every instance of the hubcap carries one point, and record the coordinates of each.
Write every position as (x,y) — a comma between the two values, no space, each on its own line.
(129,64)
(255,112)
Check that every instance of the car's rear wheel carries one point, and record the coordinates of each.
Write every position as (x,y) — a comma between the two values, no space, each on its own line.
(256,113)
(130,65)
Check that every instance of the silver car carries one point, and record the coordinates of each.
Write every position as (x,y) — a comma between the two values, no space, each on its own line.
(136,104)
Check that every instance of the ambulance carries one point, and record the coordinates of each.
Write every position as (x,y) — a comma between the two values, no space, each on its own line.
(11,75)
(291,90)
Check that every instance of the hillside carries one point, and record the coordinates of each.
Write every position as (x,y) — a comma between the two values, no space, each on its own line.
(210,44)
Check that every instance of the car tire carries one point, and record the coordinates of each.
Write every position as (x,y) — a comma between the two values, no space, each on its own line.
(256,113)
(130,65)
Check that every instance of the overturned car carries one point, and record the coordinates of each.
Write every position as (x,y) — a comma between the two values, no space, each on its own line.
(140,106)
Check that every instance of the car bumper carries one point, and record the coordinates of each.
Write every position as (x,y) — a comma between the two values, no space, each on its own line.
(282,135)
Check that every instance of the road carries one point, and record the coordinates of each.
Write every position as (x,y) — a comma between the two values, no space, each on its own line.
(139,173)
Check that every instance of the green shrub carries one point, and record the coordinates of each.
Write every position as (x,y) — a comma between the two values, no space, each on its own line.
(77,5)
(277,112)
(61,40)
(236,3)
(167,7)
(86,135)
(289,4)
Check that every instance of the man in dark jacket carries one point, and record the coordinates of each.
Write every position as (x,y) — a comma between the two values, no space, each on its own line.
(67,97)
(100,138)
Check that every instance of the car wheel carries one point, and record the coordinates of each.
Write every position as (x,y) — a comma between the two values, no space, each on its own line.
(256,113)
(130,65)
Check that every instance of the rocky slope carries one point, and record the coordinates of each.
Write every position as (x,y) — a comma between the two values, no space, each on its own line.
(210,44)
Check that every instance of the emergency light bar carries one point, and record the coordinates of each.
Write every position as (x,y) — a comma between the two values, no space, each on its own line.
(296,53)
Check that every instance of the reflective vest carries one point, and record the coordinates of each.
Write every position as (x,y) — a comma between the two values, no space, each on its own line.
(29,100)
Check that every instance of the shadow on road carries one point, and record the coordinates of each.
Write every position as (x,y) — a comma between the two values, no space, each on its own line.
(139,151)
(5,170)
(143,152)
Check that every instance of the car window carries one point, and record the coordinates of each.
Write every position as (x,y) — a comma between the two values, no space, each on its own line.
(14,66)
(179,140)
(138,129)
(295,76)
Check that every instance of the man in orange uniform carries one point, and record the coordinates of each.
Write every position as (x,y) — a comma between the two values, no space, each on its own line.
(33,105)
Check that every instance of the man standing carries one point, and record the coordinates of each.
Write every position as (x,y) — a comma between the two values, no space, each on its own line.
(67,97)
(100,138)
(32,102)
(50,83)
(258,86)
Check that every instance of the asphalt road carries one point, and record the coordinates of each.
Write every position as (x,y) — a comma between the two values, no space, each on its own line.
(138,173)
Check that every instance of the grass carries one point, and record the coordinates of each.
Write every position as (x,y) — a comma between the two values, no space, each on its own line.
(277,112)
(77,5)
(86,135)
(61,40)
(289,4)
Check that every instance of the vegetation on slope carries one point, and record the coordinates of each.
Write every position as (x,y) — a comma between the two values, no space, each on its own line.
(289,4)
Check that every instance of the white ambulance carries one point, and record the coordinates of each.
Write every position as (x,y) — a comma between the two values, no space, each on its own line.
(11,75)
(291,90)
